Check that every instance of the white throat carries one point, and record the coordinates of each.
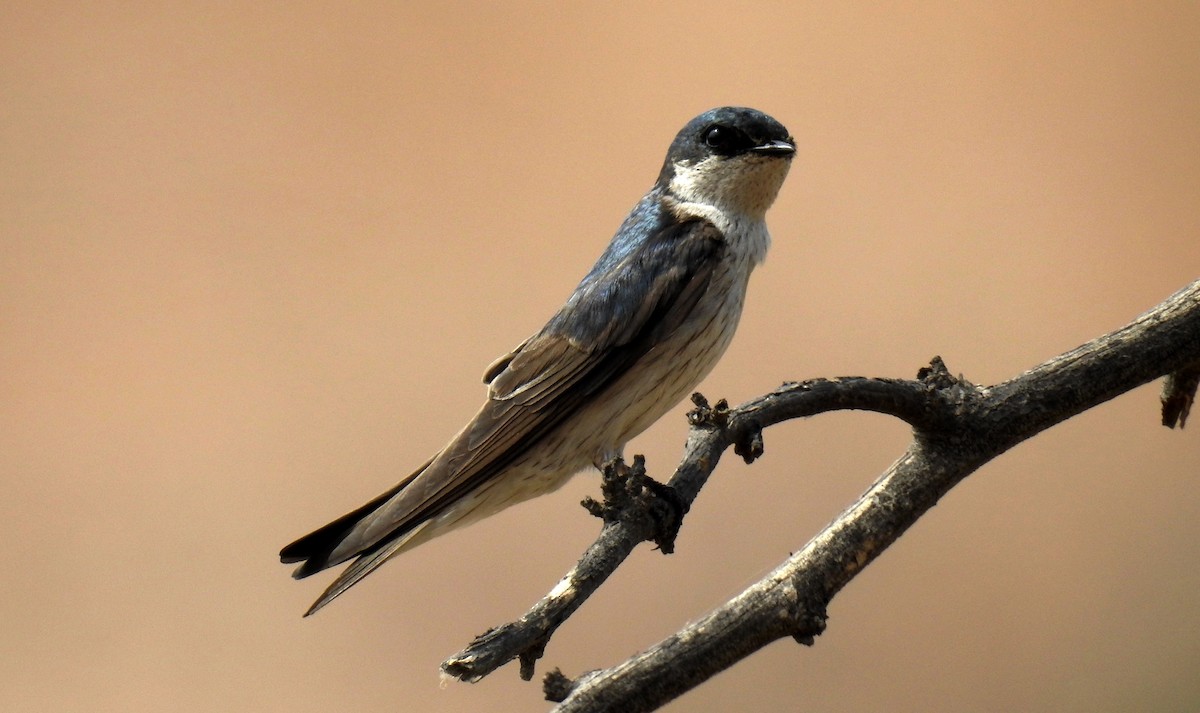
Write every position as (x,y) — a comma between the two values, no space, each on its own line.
(734,195)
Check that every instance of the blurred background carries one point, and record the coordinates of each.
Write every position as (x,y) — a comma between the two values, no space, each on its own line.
(254,260)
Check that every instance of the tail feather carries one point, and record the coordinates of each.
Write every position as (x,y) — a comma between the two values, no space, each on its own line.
(363,566)
(314,550)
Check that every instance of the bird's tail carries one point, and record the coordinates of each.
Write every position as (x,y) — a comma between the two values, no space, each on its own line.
(315,551)
(365,564)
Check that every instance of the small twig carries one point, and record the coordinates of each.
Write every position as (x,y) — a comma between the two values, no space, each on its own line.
(1178,395)
(626,523)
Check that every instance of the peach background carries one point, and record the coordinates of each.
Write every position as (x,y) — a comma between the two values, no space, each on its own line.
(254,261)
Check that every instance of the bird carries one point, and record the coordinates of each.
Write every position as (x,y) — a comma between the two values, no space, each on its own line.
(644,326)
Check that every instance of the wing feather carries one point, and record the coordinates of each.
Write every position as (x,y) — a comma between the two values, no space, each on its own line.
(614,318)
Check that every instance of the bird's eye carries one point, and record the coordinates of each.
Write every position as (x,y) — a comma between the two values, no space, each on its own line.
(716,137)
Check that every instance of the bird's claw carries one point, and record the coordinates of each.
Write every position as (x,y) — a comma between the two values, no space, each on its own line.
(630,494)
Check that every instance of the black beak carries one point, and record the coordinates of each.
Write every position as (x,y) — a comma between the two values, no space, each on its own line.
(775,148)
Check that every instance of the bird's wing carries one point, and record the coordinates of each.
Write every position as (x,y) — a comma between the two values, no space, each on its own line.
(611,321)
(622,309)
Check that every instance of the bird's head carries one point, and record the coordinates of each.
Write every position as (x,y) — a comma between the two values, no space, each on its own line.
(732,158)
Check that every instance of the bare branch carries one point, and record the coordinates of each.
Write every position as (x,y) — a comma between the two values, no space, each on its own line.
(714,429)
(957,428)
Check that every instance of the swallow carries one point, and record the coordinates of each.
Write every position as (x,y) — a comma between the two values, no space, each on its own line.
(641,330)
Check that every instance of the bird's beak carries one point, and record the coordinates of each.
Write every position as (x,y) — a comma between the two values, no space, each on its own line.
(775,148)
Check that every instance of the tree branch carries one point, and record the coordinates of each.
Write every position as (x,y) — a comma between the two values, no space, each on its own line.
(714,429)
(957,428)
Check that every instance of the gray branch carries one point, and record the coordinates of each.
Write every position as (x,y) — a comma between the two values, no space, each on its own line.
(957,427)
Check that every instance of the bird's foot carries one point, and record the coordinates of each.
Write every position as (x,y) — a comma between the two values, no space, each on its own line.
(631,495)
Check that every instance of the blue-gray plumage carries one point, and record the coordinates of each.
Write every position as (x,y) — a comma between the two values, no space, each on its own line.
(642,328)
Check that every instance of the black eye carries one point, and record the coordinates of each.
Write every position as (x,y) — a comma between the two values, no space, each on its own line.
(717,137)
